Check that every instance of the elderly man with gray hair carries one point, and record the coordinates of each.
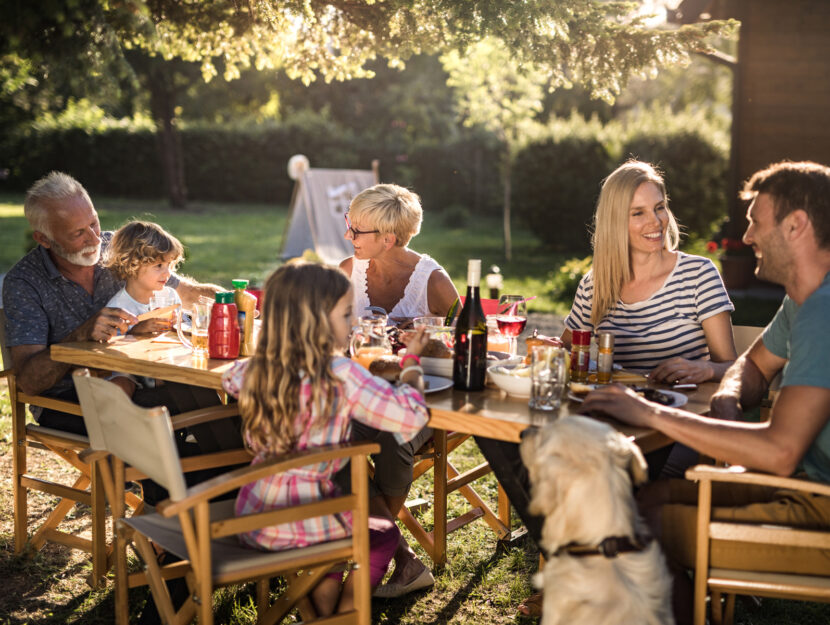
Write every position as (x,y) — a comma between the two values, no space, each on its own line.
(58,292)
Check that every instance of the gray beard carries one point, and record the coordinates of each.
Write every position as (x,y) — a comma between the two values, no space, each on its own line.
(78,258)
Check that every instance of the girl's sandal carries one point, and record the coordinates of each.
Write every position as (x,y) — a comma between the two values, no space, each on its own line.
(532,606)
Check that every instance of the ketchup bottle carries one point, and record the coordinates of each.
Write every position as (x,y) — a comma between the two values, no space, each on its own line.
(223,331)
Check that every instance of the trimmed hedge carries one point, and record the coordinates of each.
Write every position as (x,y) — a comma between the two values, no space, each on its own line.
(695,173)
(555,190)
(555,183)
(232,164)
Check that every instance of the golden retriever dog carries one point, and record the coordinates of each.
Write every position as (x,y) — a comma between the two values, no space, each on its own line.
(602,566)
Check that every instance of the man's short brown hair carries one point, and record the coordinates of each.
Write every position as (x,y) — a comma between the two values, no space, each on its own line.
(796,186)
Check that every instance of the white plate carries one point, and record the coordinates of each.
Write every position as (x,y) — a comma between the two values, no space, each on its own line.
(579,398)
(435,383)
(678,399)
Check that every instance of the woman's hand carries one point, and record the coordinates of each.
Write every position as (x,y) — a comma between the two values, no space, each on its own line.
(416,342)
(621,402)
(682,371)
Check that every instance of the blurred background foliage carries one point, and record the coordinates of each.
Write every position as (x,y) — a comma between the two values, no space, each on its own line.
(236,139)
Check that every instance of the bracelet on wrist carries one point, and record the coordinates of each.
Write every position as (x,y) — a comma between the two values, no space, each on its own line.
(407,357)
(416,368)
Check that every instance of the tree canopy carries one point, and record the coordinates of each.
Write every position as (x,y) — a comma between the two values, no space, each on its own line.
(594,42)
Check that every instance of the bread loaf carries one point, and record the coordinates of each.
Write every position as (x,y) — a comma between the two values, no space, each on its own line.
(387,367)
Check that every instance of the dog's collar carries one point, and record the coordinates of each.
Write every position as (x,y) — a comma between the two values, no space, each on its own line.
(610,547)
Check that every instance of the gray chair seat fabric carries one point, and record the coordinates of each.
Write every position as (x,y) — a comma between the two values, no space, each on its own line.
(228,555)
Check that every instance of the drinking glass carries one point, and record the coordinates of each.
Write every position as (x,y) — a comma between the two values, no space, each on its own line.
(199,322)
(434,328)
(548,377)
(512,318)
(161,299)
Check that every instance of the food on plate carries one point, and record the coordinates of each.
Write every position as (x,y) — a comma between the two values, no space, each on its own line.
(580,390)
(388,367)
(622,377)
(435,348)
(652,394)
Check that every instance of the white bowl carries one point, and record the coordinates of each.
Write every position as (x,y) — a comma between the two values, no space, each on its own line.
(437,366)
(516,385)
(443,366)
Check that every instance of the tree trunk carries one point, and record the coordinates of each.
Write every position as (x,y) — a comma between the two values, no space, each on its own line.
(507,179)
(162,104)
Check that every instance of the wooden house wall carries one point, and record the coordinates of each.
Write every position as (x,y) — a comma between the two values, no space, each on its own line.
(782,95)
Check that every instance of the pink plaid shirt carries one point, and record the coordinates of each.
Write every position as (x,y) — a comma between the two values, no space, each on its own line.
(362,396)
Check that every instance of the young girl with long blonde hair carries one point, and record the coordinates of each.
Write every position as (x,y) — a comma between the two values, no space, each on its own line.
(298,392)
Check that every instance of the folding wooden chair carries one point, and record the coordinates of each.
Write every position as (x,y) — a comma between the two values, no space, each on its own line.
(66,446)
(203,534)
(736,582)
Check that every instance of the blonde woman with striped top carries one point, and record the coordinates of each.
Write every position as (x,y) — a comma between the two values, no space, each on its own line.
(669,311)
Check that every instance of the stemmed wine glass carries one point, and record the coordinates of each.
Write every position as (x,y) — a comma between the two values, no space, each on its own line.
(512,318)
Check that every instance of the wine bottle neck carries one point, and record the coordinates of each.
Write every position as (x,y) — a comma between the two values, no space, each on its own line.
(473,273)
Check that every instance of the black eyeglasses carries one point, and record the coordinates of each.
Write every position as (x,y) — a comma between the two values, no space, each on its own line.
(355,232)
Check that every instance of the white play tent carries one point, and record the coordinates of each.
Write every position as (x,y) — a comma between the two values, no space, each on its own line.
(319,200)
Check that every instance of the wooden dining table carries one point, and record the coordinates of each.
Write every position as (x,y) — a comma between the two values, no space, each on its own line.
(490,413)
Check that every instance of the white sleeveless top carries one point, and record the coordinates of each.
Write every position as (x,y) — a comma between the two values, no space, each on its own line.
(414,301)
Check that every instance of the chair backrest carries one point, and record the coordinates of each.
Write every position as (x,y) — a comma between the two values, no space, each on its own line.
(745,336)
(141,437)
(488,306)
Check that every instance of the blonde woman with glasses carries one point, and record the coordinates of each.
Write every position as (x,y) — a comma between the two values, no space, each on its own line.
(385,273)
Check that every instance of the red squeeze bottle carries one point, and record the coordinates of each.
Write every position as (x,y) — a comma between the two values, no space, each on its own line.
(223,331)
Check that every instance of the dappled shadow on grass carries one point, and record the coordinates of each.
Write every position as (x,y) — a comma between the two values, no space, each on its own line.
(454,604)
(44,588)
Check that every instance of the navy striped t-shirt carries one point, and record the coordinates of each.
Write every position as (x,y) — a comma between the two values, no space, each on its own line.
(665,325)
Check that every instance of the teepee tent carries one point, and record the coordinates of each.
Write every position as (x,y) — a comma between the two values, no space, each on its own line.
(319,200)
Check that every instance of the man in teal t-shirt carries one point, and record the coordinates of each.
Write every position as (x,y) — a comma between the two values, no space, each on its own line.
(800,335)
(789,230)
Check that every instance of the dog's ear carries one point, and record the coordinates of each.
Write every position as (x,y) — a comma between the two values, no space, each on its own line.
(629,457)
(637,466)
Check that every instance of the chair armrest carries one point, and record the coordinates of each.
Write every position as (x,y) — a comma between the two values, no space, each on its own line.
(739,475)
(61,405)
(203,415)
(279,464)
(6,373)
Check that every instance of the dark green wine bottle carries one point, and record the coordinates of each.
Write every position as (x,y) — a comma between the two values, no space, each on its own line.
(470,364)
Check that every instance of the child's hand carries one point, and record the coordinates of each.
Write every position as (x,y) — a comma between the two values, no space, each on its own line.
(417,342)
(156,325)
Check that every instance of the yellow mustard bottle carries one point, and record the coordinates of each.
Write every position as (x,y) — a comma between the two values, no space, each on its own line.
(246,305)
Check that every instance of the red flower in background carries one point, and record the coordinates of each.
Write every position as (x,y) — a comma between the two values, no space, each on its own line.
(730,247)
